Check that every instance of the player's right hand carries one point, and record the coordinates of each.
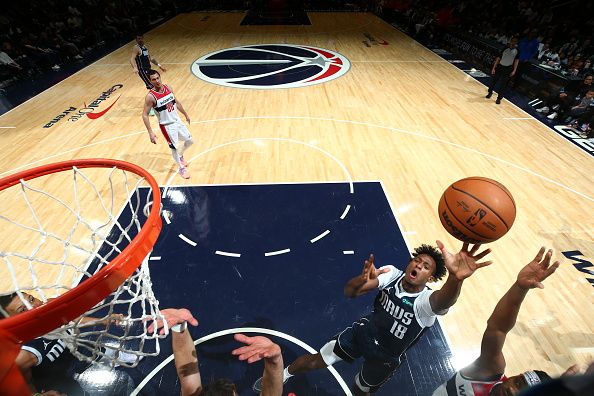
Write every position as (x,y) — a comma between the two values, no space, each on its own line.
(153,138)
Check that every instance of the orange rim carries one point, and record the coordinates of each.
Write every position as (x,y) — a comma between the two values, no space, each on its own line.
(70,305)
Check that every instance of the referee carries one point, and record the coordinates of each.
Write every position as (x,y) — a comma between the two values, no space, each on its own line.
(504,68)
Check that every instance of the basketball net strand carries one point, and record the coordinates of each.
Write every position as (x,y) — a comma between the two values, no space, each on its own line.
(115,331)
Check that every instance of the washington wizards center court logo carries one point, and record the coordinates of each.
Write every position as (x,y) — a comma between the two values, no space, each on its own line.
(270,66)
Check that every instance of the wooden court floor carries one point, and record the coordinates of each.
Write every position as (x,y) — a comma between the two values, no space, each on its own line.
(401,115)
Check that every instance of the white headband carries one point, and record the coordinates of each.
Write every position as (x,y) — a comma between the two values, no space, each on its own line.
(531,378)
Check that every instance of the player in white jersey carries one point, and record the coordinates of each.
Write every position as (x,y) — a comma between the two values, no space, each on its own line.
(161,98)
(484,377)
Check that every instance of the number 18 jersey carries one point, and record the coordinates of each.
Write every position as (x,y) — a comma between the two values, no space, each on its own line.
(399,317)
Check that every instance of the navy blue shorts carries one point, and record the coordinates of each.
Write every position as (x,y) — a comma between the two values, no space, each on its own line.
(378,365)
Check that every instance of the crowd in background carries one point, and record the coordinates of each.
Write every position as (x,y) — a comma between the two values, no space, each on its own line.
(39,36)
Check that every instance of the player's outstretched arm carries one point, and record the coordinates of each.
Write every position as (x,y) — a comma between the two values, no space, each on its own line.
(460,266)
(367,281)
(258,348)
(184,352)
(491,360)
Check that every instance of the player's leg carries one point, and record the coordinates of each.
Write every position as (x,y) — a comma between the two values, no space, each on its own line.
(184,134)
(170,132)
(372,376)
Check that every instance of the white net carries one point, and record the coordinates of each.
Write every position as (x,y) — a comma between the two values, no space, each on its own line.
(60,229)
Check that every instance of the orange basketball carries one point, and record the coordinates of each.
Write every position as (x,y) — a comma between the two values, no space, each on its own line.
(477,210)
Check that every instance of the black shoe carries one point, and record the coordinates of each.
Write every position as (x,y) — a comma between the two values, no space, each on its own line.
(489,95)
(498,101)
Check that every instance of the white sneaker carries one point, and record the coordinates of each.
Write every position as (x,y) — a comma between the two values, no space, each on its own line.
(543,109)
(552,116)
(55,67)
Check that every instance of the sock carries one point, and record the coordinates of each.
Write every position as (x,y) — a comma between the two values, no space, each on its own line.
(286,374)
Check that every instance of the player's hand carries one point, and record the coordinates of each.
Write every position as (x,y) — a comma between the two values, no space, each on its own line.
(188,119)
(562,95)
(465,262)
(135,71)
(153,138)
(173,317)
(369,270)
(537,270)
(256,348)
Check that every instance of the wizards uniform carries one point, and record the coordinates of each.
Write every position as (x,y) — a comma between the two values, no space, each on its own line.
(459,385)
(398,319)
(166,110)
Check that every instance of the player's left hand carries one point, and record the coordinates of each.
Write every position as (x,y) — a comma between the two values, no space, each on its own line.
(465,262)
(537,270)
(173,317)
(256,348)
(188,119)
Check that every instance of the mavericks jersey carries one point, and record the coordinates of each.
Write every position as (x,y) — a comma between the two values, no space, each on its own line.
(399,317)
(143,60)
(56,365)
(165,108)
(459,385)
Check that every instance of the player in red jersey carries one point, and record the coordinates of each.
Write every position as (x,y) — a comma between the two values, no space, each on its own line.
(161,98)
(484,377)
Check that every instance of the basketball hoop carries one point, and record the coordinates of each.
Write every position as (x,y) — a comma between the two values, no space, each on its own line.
(73,239)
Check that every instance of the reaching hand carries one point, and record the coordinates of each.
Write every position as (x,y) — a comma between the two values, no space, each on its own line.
(256,348)
(369,270)
(173,316)
(465,262)
(537,270)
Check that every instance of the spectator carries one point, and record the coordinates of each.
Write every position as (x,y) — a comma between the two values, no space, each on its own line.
(561,102)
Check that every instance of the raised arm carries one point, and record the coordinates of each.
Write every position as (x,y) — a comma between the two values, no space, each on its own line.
(257,348)
(460,266)
(367,281)
(184,351)
(491,361)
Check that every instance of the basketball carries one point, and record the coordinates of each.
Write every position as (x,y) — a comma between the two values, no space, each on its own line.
(477,210)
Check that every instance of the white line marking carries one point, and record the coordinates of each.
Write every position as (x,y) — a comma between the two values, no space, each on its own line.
(322,235)
(346,210)
(187,240)
(277,252)
(537,103)
(409,233)
(11,127)
(238,273)
(348,252)
(155,258)
(193,159)
(519,118)
(417,134)
(533,101)
(228,254)
(166,217)
(259,330)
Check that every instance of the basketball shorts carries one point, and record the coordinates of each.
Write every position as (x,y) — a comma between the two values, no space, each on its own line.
(175,133)
(354,342)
